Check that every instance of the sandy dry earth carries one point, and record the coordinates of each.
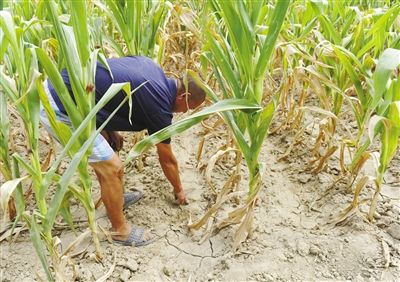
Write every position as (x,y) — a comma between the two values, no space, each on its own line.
(291,241)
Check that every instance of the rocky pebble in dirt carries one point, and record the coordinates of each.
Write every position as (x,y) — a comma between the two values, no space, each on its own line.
(394,230)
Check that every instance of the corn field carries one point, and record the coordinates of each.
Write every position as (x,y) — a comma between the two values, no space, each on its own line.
(291,165)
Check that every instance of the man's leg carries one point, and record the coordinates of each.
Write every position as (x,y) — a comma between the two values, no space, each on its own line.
(110,174)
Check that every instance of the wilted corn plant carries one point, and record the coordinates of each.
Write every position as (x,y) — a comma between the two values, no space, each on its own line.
(361,33)
(381,110)
(24,93)
(350,52)
(357,62)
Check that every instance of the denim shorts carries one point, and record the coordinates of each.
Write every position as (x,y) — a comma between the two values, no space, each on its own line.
(101,151)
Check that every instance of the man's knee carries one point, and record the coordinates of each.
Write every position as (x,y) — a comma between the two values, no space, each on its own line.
(109,168)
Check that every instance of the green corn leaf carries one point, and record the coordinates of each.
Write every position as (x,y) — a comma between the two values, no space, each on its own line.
(4,44)
(39,247)
(307,29)
(60,87)
(5,168)
(118,19)
(67,41)
(389,142)
(273,32)
(319,6)
(79,18)
(344,57)
(230,119)
(184,124)
(8,27)
(219,59)
(389,96)
(263,121)
(80,195)
(26,165)
(18,192)
(76,73)
(240,32)
(396,90)
(133,11)
(158,17)
(226,95)
(33,108)
(349,21)
(8,85)
(13,34)
(379,32)
(115,46)
(65,211)
(391,134)
(330,30)
(103,61)
(255,8)
(394,113)
(385,20)
(388,62)
(374,126)
(60,129)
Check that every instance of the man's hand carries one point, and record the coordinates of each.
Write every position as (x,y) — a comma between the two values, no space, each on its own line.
(181,198)
(113,138)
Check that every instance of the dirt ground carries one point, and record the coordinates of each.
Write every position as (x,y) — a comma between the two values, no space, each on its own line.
(292,238)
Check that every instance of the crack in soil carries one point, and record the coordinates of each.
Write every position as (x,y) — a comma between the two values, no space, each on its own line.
(211,247)
(186,252)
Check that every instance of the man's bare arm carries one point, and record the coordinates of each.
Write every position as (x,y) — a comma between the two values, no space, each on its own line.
(169,165)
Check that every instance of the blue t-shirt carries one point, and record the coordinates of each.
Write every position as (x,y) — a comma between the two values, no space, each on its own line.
(152,103)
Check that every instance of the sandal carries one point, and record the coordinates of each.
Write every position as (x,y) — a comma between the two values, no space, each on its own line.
(135,238)
(131,198)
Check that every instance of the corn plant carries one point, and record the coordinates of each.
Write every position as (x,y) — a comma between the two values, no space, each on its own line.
(138,23)
(22,83)
(240,61)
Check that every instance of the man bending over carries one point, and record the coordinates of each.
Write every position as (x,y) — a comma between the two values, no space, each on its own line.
(152,108)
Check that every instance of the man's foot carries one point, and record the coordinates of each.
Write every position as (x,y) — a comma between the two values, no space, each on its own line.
(137,237)
(131,198)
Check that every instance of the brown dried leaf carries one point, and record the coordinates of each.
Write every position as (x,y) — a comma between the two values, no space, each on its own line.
(245,228)
(211,163)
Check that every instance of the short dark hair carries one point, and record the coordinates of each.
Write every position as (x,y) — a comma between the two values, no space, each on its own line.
(197,92)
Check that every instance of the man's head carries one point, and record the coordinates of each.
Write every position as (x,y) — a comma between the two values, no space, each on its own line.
(189,98)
